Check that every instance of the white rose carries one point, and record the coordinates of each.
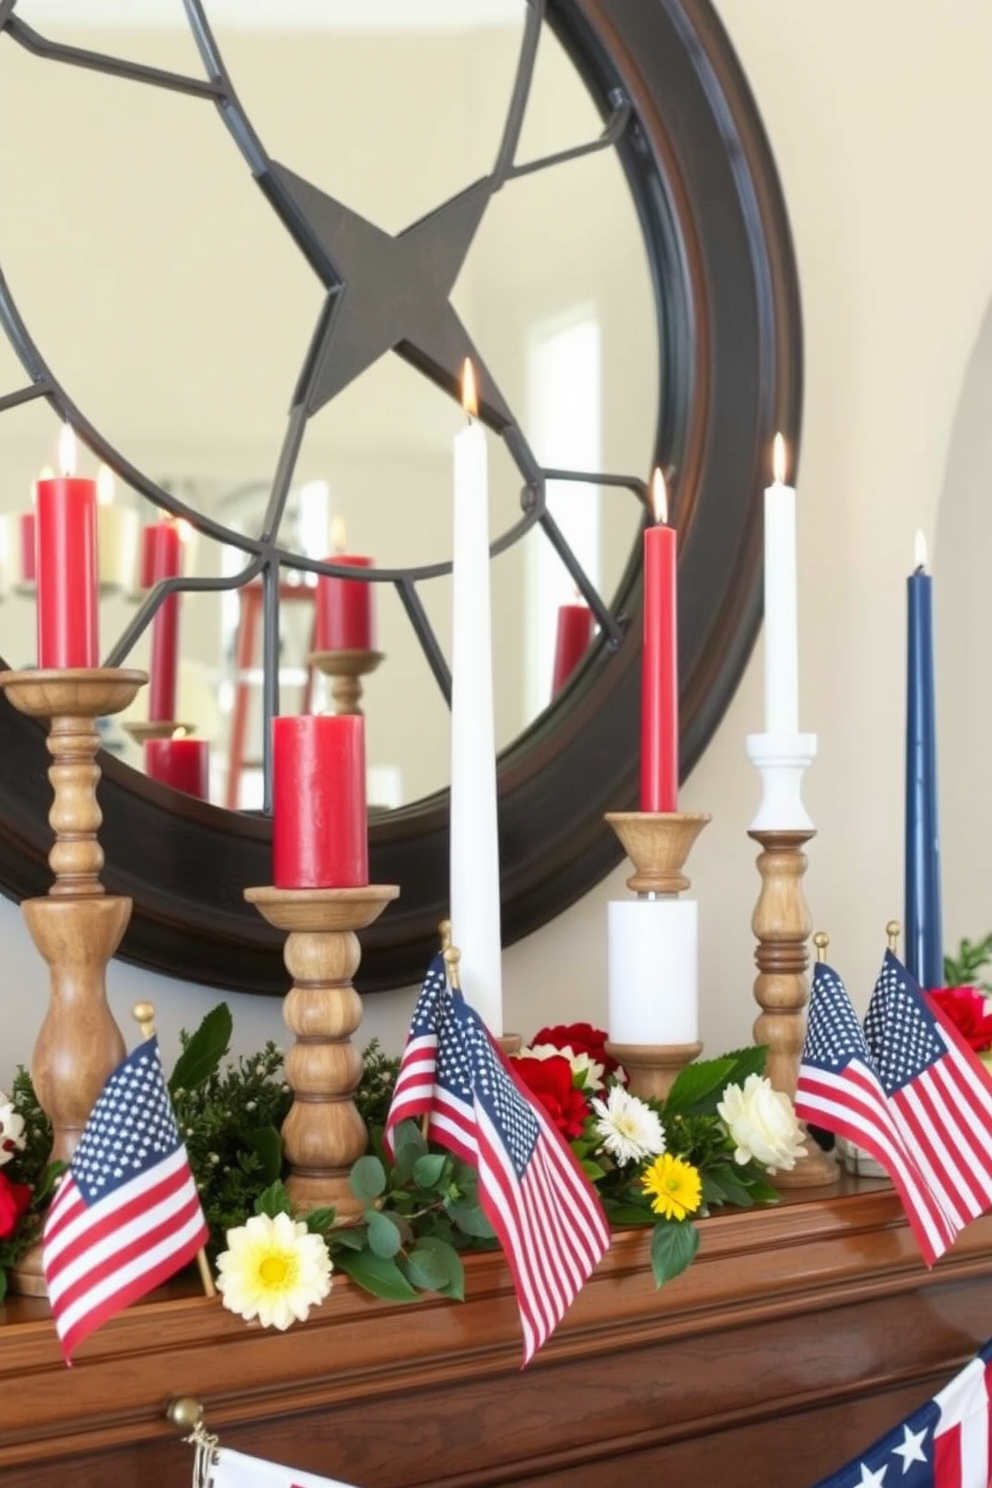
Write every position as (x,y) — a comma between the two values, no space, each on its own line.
(11,1130)
(762,1123)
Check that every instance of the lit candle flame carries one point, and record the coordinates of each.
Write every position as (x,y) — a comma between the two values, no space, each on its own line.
(105,485)
(778,459)
(46,473)
(337,534)
(470,395)
(179,733)
(920,552)
(659,497)
(67,451)
(184,529)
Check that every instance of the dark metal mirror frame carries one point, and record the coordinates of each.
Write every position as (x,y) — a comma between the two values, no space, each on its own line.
(729,329)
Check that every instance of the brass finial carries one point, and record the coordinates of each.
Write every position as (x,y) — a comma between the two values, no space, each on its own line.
(186,1413)
(893,930)
(452,956)
(444,930)
(821,940)
(143,1014)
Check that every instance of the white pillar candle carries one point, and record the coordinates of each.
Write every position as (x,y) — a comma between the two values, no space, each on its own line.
(474,886)
(116,536)
(781,610)
(653,973)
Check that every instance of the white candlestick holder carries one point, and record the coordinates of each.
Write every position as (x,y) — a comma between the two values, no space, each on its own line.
(781,760)
(654,952)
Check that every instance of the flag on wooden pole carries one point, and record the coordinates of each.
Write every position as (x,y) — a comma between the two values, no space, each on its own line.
(126,1215)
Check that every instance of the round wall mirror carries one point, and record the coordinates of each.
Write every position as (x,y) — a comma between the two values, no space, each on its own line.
(599,224)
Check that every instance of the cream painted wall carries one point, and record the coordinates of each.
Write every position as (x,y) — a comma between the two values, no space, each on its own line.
(881,122)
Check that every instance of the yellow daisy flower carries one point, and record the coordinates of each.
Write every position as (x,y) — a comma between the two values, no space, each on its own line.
(273,1269)
(674,1185)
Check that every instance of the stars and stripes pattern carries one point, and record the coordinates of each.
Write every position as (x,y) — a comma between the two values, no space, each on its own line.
(838,1089)
(940,1093)
(531,1187)
(944,1444)
(126,1215)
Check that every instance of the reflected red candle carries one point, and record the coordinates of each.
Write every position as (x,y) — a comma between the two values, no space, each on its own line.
(66,567)
(571,642)
(345,619)
(162,558)
(28,568)
(319,824)
(181,762)
(659,664)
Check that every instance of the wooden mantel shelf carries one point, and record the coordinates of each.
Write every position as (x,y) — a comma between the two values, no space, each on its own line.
(798,1334)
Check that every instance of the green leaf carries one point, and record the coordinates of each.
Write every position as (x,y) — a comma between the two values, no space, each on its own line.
(375,1274)
(697,1088)
(319,1221)
(265,1143)
(471,1221)
(435,1266)
(384,1234)
(427,1170)
(204,1052)
(3,1283)
(627,1214)
(723,1186)
(593,1170)
(746,1062)
(274,1200)
(673,1246)
(367,1178)
(762,1192)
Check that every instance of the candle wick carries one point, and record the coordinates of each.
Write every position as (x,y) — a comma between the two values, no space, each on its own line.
(920,568)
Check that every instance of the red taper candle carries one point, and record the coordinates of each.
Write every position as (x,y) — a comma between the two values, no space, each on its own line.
(319,823)
(659,663)
(66,566)
(162,558)
(26,526)
(181,762)
(572,640)
(345,617)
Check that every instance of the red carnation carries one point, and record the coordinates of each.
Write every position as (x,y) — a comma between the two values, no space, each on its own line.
(965,1007)
(581,1038)
(550,1080)
(14,1200)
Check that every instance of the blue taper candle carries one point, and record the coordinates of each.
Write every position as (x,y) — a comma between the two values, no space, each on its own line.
(924,937)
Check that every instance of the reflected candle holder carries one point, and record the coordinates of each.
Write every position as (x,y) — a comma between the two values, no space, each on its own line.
(653,939)
(323,1135)
(346,670)
(77,926)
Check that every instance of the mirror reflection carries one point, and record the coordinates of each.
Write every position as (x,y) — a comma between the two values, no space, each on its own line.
(177,312)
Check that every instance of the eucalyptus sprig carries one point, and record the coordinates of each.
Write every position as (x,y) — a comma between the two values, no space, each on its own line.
(972,958)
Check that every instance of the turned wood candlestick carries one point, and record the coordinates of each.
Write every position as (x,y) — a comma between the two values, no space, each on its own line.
(323,1135)
(346,670)
(782,924)
(149,728)
(77,927)
(658,844)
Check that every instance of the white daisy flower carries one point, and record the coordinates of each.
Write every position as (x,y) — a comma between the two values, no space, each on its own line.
(629,1129)
(273,1269)
(11,1130)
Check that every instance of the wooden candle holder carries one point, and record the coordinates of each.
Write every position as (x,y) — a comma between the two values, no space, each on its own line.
(658,844)
(77,927)
(323,1135)
(782,924)
(141,729)
(346,670)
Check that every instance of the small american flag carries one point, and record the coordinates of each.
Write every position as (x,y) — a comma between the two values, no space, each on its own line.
(126,1215)
(944,1444)
(939,1091)
(839,1089)
(531,1187)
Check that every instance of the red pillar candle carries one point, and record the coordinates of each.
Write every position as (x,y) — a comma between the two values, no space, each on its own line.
(571,642)
(319,824)
(181,762)
(66,566)
(345,618)
(659,665)
(26,526)
(162,558)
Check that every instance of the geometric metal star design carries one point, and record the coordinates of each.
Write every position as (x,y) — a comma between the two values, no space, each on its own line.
(385,293)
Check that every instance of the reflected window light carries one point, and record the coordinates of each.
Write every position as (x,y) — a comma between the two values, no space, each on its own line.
(564,421)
